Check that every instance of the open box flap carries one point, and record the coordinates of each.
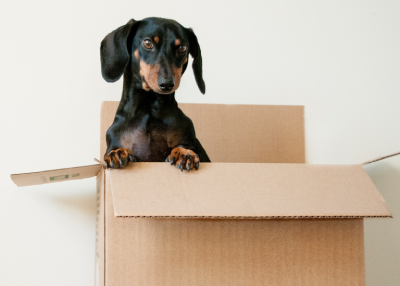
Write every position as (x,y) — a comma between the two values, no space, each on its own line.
(53,176)
(245,190)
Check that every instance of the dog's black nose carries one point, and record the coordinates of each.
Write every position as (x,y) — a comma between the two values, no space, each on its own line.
(165,84)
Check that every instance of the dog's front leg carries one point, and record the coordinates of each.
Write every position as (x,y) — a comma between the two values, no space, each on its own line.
(117,156)
(187,151)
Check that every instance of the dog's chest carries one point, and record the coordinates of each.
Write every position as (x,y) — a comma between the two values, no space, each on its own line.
(147,139)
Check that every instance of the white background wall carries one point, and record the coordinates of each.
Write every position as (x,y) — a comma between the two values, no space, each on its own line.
(341,59)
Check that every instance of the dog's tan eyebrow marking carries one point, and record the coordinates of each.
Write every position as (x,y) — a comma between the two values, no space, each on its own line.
(177,42)
(156,39)
(136,53)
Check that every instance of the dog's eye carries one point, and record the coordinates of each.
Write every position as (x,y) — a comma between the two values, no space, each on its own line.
(182,49)
(148,44)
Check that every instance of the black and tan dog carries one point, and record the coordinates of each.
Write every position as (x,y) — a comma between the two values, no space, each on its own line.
(152,54)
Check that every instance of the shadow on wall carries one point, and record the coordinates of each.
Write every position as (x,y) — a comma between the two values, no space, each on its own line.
(81,202)
(382,236)
(76,199)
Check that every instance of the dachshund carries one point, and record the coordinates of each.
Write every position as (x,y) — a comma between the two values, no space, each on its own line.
(152,54)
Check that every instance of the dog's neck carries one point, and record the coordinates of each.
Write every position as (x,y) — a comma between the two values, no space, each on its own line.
(135,98)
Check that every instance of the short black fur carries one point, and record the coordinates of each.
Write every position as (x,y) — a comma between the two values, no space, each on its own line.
(148,121)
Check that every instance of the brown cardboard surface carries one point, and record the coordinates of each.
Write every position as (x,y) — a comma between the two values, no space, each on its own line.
(100,231)
(244,190)
(238,133)
(234,252)
(54,176)
(252,247)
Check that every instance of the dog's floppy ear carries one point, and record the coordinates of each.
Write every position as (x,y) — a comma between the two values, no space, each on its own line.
(114,52)
(194,50)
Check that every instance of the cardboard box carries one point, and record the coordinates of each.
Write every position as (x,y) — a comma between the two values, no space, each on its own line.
(255,216)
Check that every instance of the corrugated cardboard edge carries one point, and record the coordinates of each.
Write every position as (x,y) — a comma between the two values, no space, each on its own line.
(100,230)
(380,158)
(255,217)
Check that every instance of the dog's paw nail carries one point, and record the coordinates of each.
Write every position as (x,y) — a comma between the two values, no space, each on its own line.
(184,159)
(119,158)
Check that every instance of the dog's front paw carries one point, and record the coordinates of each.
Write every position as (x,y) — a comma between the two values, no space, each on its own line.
(119,158)
(183,159)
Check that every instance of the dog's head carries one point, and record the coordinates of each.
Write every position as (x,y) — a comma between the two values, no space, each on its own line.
(153,52)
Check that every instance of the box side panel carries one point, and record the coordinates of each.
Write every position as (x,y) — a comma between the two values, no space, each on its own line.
(249,133)
(362,255)
(99,254)
(234,252)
